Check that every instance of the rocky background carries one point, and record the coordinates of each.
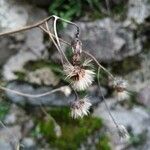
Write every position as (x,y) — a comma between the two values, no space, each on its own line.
(118,37)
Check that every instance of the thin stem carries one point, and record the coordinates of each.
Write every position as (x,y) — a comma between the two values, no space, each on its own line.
(87,53)
(72,23)
(57,39)
(27,27)
(108,7)
(44,111)
(103,98)
(51,37)
(30,95)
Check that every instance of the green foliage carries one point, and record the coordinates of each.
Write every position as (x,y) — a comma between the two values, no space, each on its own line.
(56,68)
(119,10)
(70,9)
(127,65)
(33,65)
(74,132)
(4,108)
(103,143)
(139,139)
(20,75)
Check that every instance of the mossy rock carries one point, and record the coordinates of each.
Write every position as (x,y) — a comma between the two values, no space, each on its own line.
(127,65)
(74,132)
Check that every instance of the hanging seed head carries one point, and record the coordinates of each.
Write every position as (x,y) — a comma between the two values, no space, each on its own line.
(123,133)
(76,46)
(80,108)
(120,84)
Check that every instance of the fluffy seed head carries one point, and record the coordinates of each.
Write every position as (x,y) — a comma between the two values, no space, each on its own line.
(122,95)
(80,108)
(81,78)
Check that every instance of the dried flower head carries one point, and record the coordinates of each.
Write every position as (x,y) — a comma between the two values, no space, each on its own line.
(123,133)
(66,90)
(81,77)
(120,86)
(76,46)
(80,108)
(123,95)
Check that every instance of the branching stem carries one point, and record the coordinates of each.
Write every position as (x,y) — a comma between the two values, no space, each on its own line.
(30,95)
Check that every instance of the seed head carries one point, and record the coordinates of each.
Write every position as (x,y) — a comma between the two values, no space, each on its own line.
(81,78)
(120,84)
(80,108)
(66,90)
(123,133)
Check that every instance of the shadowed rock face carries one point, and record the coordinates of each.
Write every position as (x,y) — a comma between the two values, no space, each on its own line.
(138,10)
(107,40)
(15,14)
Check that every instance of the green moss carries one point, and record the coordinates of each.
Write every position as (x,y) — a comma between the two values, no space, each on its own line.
(20,75)
(33,65)
(103,143)
(139,139)
(4,108)
(71,10)
(119,10)
(126,66)
(74,132)
(56,68)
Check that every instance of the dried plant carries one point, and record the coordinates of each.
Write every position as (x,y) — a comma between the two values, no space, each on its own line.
(79,72)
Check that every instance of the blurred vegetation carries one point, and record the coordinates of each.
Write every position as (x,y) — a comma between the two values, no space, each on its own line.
(70,9)
(93,9)
(74,132)
(137,140)
(103,143)
(4,108)
(127,65)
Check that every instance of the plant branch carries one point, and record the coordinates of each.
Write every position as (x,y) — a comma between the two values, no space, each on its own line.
(30,95)
(87,53)
(56,36)
(105,103)
(27,27)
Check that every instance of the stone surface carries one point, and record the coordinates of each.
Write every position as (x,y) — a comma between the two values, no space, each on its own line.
(10,137)
(144,96)
(43,76)
(137,118)
(140,78)
(15,115)
(138,10)
(32,49)
(106,39)
(5,146)
(29,144)
(15,14)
